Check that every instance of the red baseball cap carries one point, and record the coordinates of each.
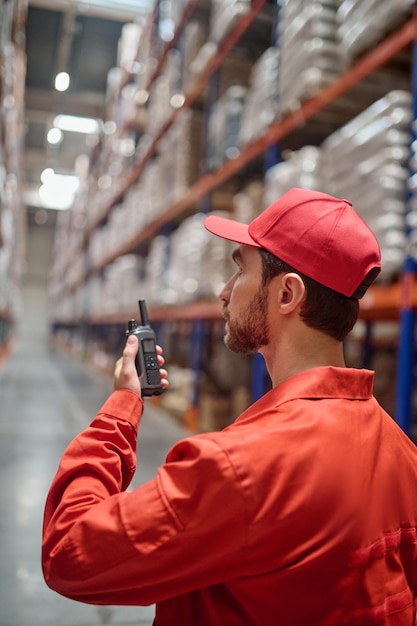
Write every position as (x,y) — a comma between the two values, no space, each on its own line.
(318,235)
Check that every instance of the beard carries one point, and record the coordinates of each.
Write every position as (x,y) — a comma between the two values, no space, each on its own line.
(251,331)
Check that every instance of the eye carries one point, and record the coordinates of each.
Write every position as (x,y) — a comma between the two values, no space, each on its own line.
(238,270)
(237,259)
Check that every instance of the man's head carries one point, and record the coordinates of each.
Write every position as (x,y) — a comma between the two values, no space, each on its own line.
(318,235)
(325,241)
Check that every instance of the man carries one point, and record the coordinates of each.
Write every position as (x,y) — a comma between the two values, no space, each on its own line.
(301,513)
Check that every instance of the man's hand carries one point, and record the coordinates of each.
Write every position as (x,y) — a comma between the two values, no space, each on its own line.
(125,374)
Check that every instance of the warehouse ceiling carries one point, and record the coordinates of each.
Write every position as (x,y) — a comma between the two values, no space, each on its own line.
(79,37)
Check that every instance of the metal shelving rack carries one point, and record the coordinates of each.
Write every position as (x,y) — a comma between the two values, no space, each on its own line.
(386,302)
(276,132)
(12,76)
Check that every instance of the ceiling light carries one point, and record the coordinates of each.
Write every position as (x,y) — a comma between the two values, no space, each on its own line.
(121,5)
(47,174)
(73,124)
(62,81)
(58,192)
(54,136)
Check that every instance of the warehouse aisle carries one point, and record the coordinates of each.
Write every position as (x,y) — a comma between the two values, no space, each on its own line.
(45,399)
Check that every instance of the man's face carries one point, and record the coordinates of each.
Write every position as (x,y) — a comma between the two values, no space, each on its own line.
(246,303)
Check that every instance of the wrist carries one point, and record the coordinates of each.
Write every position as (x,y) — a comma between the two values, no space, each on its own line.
(124,404)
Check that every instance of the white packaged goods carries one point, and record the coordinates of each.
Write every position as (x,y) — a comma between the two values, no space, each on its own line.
(170,14)
(224,126)
(187,265)
(124,278)
(185,155)
(362,23)
(366,161)
(149,198)
(93,294)
(224,14)
(10,254)
(248,203)
(411,218)
(159,104)
(202,59)
(129,44)
(195,36)
(111,292)
(301,169)
(309,52)
(261,106)
(157,262)
(128,113)
(138,208)
(98,245)
(114,83)
(163,93)
(217,265)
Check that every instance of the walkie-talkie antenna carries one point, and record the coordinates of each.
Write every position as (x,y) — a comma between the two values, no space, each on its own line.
(143,313)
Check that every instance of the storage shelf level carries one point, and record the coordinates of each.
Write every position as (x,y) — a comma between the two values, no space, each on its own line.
(381,302)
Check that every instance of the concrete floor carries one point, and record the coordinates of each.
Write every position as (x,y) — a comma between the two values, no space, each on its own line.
(46,399)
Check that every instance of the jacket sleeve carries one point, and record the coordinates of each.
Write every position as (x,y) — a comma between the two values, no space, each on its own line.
(183,530)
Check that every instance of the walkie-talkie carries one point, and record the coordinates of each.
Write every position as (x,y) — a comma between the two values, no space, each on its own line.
(146,359)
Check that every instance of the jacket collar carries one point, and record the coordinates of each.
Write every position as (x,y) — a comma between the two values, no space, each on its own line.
(319,383)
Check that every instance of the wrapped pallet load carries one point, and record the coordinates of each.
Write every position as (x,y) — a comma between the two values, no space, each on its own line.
(366,161)
(309,50)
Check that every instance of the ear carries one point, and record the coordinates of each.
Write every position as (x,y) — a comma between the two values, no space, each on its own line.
(291,292)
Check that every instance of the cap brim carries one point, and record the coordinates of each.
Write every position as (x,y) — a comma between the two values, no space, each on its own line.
(229,229)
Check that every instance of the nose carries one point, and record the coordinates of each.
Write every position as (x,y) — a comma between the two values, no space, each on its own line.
(225,293)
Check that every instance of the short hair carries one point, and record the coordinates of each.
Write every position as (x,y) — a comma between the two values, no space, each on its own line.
(323,309)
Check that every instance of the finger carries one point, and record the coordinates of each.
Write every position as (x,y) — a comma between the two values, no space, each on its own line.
(164,379)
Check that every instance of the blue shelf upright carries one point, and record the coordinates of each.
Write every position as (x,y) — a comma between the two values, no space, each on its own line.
(198,327)
(406,348)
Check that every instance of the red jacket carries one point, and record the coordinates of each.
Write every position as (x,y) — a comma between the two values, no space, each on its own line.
(301,513)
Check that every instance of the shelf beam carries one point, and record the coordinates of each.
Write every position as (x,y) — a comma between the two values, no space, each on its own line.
(384,302)
(192,311)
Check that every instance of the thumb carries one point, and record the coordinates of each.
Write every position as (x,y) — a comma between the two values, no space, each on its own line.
(130,350)
(132,341)
(125,374)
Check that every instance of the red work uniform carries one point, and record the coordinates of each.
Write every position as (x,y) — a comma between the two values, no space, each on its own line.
(303,512)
